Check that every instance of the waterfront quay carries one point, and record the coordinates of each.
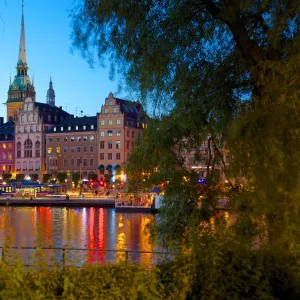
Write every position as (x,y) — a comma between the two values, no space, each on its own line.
(59,202)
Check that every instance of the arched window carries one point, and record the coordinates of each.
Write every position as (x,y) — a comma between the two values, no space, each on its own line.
(37,149)
(4,155)
(19,150)
(28,148)
(15,115)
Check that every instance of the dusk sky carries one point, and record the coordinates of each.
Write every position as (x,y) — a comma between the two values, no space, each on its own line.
(48,44)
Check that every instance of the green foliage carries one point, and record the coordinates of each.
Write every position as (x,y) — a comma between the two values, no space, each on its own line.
(76,178)
(6,176)
(20,176)
(61,177)
(46,178)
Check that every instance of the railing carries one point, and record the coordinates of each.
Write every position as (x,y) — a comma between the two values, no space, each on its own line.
(66,250)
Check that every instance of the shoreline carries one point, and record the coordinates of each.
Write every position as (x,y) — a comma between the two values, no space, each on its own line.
(104,203)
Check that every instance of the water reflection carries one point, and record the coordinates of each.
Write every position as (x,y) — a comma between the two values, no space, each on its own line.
(97,228)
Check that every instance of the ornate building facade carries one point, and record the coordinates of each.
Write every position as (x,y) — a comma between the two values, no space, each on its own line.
(120,123)
(21,87)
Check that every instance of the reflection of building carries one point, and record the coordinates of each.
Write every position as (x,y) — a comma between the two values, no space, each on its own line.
(120,123)
(72,146)
(21,88)
(7,146)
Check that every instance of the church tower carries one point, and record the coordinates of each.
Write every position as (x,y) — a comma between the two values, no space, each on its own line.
(21,87)
(50,98)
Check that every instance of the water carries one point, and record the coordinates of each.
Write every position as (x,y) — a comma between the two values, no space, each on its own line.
(98,228)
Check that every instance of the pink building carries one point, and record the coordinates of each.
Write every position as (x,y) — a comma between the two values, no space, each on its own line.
(7,146)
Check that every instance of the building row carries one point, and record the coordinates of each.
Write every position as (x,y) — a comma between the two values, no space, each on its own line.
(41,138)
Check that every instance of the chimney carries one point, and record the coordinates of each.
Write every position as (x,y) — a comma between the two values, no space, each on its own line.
(60,107)
(1,121)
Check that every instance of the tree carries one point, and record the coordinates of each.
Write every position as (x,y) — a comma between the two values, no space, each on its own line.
(6,176)
(61,177)
(76,178)
(46,178)
(226,71)
(107,178)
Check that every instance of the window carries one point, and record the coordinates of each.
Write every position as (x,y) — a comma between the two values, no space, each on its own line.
(115,110)
(92,138)
(61,129)
(109,156)
(109,122)
(102,122)
(22,118)
(85,149)
(110,103)
(49,150)
(65,139)
(28,117)
(102,145)
(65,163)
(78,162)
(69,128)
(19,129)
(76,127)
(34,117)
(85,138)
(84,162)
(72,162)
(102,133)
(109,144)
(101,156)
(57,149)
(58,139)
(91,148)
(132,134)
(118,122)
(28,148)
(72,139)
(72,149)
(128,133)
(65,149)
(4,155)
(91,162)
(78,138)
(118,132)
(127,144)
(37,149)
(118,144)
(49,117)
(28,107)
(118,156)
(18,150)
(9,156)
(78,149)
(109,132)
(84,127)
(50,140)
(4,146)
(55,118)
(106,110)
(54,129)
(92,126)
(10,145)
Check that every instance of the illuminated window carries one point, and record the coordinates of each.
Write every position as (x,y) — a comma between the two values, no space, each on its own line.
(85,138)
(76,127)
(84,127)
(72,139)
(4,146)
(69,127)
(92,138)
(57,149)
(78,138)
(65,139)
(92,126)
(54,129)
(49,150)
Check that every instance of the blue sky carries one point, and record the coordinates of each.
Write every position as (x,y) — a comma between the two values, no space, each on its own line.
(48,44)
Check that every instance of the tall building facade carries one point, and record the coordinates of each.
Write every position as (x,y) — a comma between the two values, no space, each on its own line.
(30,135)
(120,123)
(7,146)
(21,87)
(72,147)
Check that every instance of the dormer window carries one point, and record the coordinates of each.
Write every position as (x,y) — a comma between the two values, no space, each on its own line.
(76,127)
(54,129)
(69,128)
(61,129)
(84,127)
(92,126)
